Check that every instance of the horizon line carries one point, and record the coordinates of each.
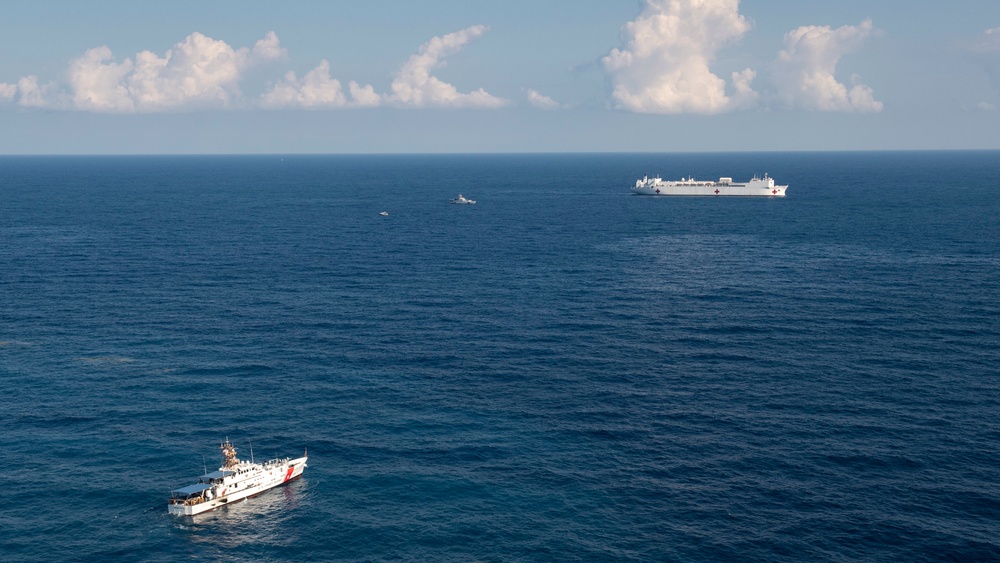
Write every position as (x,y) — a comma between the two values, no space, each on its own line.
(495,153)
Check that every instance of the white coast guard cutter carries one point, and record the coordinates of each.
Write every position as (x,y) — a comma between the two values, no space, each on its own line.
(234,481)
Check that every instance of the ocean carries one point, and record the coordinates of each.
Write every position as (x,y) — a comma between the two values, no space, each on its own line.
(562,372)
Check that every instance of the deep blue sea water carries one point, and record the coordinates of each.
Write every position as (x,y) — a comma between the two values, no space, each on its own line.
(561,372)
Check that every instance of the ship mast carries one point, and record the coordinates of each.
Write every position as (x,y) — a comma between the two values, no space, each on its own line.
(229,452)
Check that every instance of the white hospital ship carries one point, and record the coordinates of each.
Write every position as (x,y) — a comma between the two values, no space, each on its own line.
(724,187)
(234,481)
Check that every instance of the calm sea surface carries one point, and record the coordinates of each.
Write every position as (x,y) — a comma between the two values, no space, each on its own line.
(561,372)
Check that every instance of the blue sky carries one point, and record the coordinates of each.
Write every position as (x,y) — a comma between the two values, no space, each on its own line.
(514,76)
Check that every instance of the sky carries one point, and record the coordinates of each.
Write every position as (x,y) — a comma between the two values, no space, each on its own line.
(450,76)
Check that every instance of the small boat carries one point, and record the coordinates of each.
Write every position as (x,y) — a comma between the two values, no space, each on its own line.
(384,213)
(462,200)
(234,481)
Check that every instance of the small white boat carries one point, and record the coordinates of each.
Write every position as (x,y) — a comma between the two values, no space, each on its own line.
(233,482)
(384,213)
(462,200)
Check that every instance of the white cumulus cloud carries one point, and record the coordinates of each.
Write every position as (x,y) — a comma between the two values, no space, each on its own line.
(100,84)
(664,66)
(31,95)
(363,96)
(804,73)
(318,90)
(267,49)
(541,101)
(7,91)
(415,86)
(198,71)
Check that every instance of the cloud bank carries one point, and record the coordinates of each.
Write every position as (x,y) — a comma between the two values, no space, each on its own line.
(669,48)
(663,67)
(804,72)
(202,72)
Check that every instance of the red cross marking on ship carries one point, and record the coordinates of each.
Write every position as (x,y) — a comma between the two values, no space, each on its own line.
(717,192)
(657,190)
(774,192)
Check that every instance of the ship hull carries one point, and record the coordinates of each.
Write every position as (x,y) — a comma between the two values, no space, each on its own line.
(711,191)
(259,482)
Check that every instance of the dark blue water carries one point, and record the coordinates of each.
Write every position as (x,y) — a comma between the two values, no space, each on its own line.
(562,372)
